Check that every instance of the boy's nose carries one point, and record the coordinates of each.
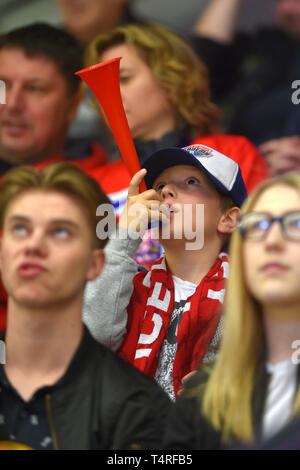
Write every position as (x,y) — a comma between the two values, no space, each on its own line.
(168,190)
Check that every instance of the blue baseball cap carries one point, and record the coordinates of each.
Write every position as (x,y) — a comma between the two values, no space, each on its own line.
(224,173)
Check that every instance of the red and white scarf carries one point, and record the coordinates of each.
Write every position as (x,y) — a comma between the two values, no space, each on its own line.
(150,310)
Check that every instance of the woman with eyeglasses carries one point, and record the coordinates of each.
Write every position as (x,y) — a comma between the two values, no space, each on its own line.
(252,390)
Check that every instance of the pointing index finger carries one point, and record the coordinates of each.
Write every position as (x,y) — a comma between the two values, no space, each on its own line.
(135,182)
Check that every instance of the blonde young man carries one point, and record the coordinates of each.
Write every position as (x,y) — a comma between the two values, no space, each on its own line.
(59,388)
(170,315)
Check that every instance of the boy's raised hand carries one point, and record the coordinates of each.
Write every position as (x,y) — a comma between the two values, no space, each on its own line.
(141,208)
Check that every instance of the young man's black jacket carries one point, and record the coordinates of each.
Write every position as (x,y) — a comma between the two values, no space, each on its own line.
(102,402)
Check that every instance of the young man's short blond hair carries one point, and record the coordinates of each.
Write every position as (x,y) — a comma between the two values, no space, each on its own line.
(62,177)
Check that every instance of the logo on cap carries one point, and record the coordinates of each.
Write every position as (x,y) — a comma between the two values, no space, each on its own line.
(199,150)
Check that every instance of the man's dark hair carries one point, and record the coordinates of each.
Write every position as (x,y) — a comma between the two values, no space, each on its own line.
(41,39)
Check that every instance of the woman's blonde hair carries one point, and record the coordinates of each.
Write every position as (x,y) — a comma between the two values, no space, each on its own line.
(229,393)
(175,66)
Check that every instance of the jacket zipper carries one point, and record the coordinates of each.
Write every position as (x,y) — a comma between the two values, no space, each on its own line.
(50,420)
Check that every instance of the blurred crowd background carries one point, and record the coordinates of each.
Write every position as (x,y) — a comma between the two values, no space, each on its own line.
(174,13)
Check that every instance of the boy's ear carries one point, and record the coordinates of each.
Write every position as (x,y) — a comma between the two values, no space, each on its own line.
(229,220)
